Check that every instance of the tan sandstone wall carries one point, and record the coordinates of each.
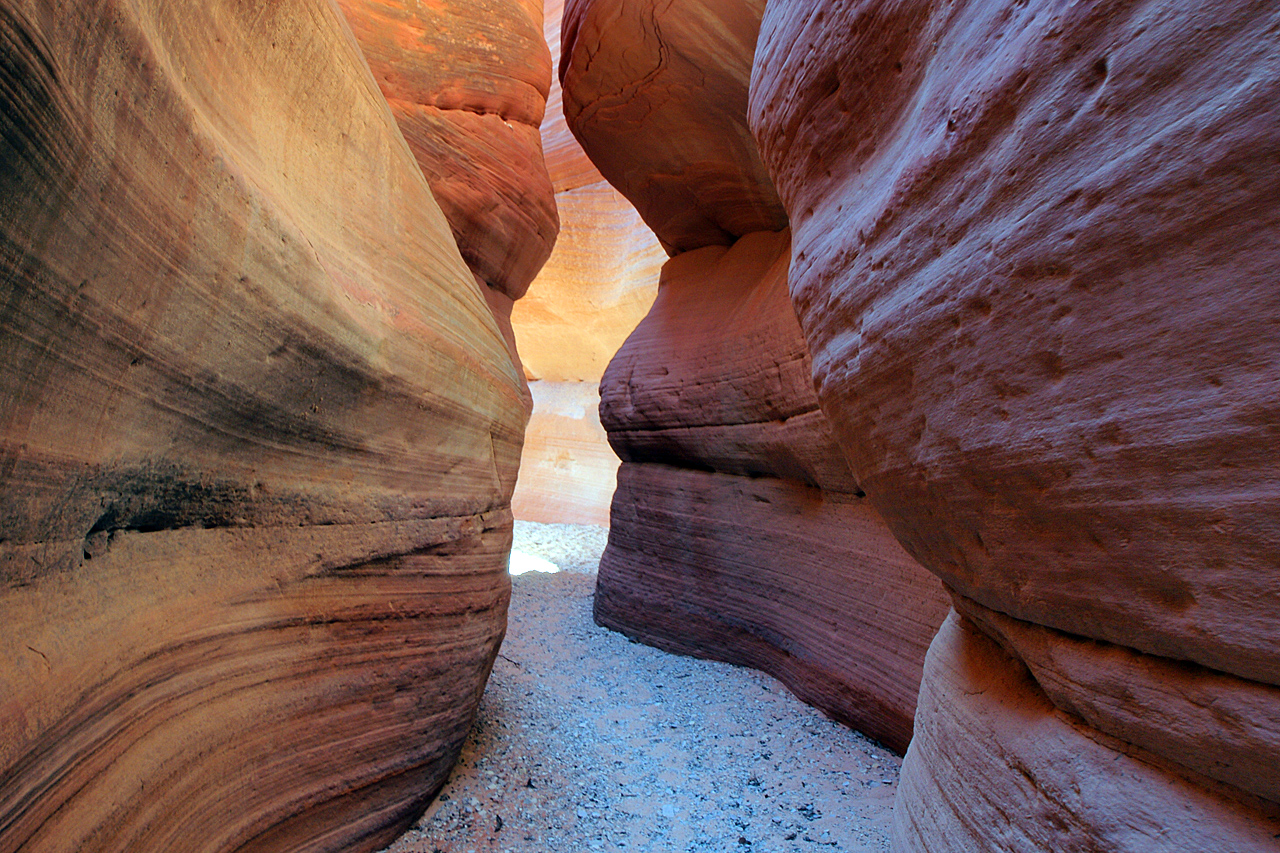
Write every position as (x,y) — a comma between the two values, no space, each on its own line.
(258,435)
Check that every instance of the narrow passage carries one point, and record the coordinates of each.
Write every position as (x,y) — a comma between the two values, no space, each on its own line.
(586,741)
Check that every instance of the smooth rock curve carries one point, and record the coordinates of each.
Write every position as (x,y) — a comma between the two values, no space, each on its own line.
(258,435)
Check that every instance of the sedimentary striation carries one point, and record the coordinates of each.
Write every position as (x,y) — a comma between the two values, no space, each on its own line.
(737,530)
(657,95)
(258,435)
(1033,257)
(467,83)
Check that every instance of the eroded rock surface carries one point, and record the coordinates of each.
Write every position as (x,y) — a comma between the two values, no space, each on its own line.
(766,572)
(994,766)
(657,95)
(735,508)
(258,434)
(1033,257)
(597,285)
(1035,272)
(467,83)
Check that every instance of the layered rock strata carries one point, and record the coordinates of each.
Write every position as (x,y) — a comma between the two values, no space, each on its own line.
(597,285)
(1033,257)
(258,435)
(467,83)
(737,531)
(805,584)
(996,766)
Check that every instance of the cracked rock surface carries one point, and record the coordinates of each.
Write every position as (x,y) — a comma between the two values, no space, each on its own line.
(586,741)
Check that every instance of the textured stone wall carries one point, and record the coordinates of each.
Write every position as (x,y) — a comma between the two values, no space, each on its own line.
(737,531)
(258,434)
(1033,257)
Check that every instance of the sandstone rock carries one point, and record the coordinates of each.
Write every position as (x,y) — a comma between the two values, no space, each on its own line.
(567,470)
(769,573)
(717,376)
(597,285)
(994,767)
(657,96)
(258,433)
(467,83)
(602,275)
(1034,258)
(1221,726)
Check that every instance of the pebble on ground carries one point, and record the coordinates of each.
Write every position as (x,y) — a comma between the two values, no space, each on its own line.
(586,741)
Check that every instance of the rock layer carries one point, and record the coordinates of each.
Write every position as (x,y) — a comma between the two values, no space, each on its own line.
(774,560)
(685,391)
(657,95)
(259,435)
(995,767)
(769,573)
(1033,256)
(736,509)
(467,83)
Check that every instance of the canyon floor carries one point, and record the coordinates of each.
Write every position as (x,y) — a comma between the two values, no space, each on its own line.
(587,741)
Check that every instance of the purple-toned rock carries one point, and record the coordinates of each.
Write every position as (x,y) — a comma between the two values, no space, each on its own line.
(806,585)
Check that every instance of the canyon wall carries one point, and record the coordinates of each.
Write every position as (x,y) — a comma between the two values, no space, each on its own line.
(1033,255)
(738,531)
(259,430)
(598,283)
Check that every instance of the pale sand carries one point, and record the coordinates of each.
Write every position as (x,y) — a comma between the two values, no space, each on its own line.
(586,741)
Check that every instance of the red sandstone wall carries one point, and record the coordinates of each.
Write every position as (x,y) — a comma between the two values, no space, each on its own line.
(1033,257)
(735,508)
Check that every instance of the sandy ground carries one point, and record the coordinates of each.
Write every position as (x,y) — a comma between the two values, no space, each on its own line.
(587,741)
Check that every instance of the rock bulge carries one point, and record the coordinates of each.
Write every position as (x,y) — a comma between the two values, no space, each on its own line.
(1032,256)
(737,530)
(258,435)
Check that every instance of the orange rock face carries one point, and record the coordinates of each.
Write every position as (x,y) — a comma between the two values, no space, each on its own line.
(258,435)
(467,83)
(1034,253)
(567,470)
(597,285)
(657,94)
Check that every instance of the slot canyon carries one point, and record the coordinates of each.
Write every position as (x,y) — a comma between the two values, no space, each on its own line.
(920,357)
